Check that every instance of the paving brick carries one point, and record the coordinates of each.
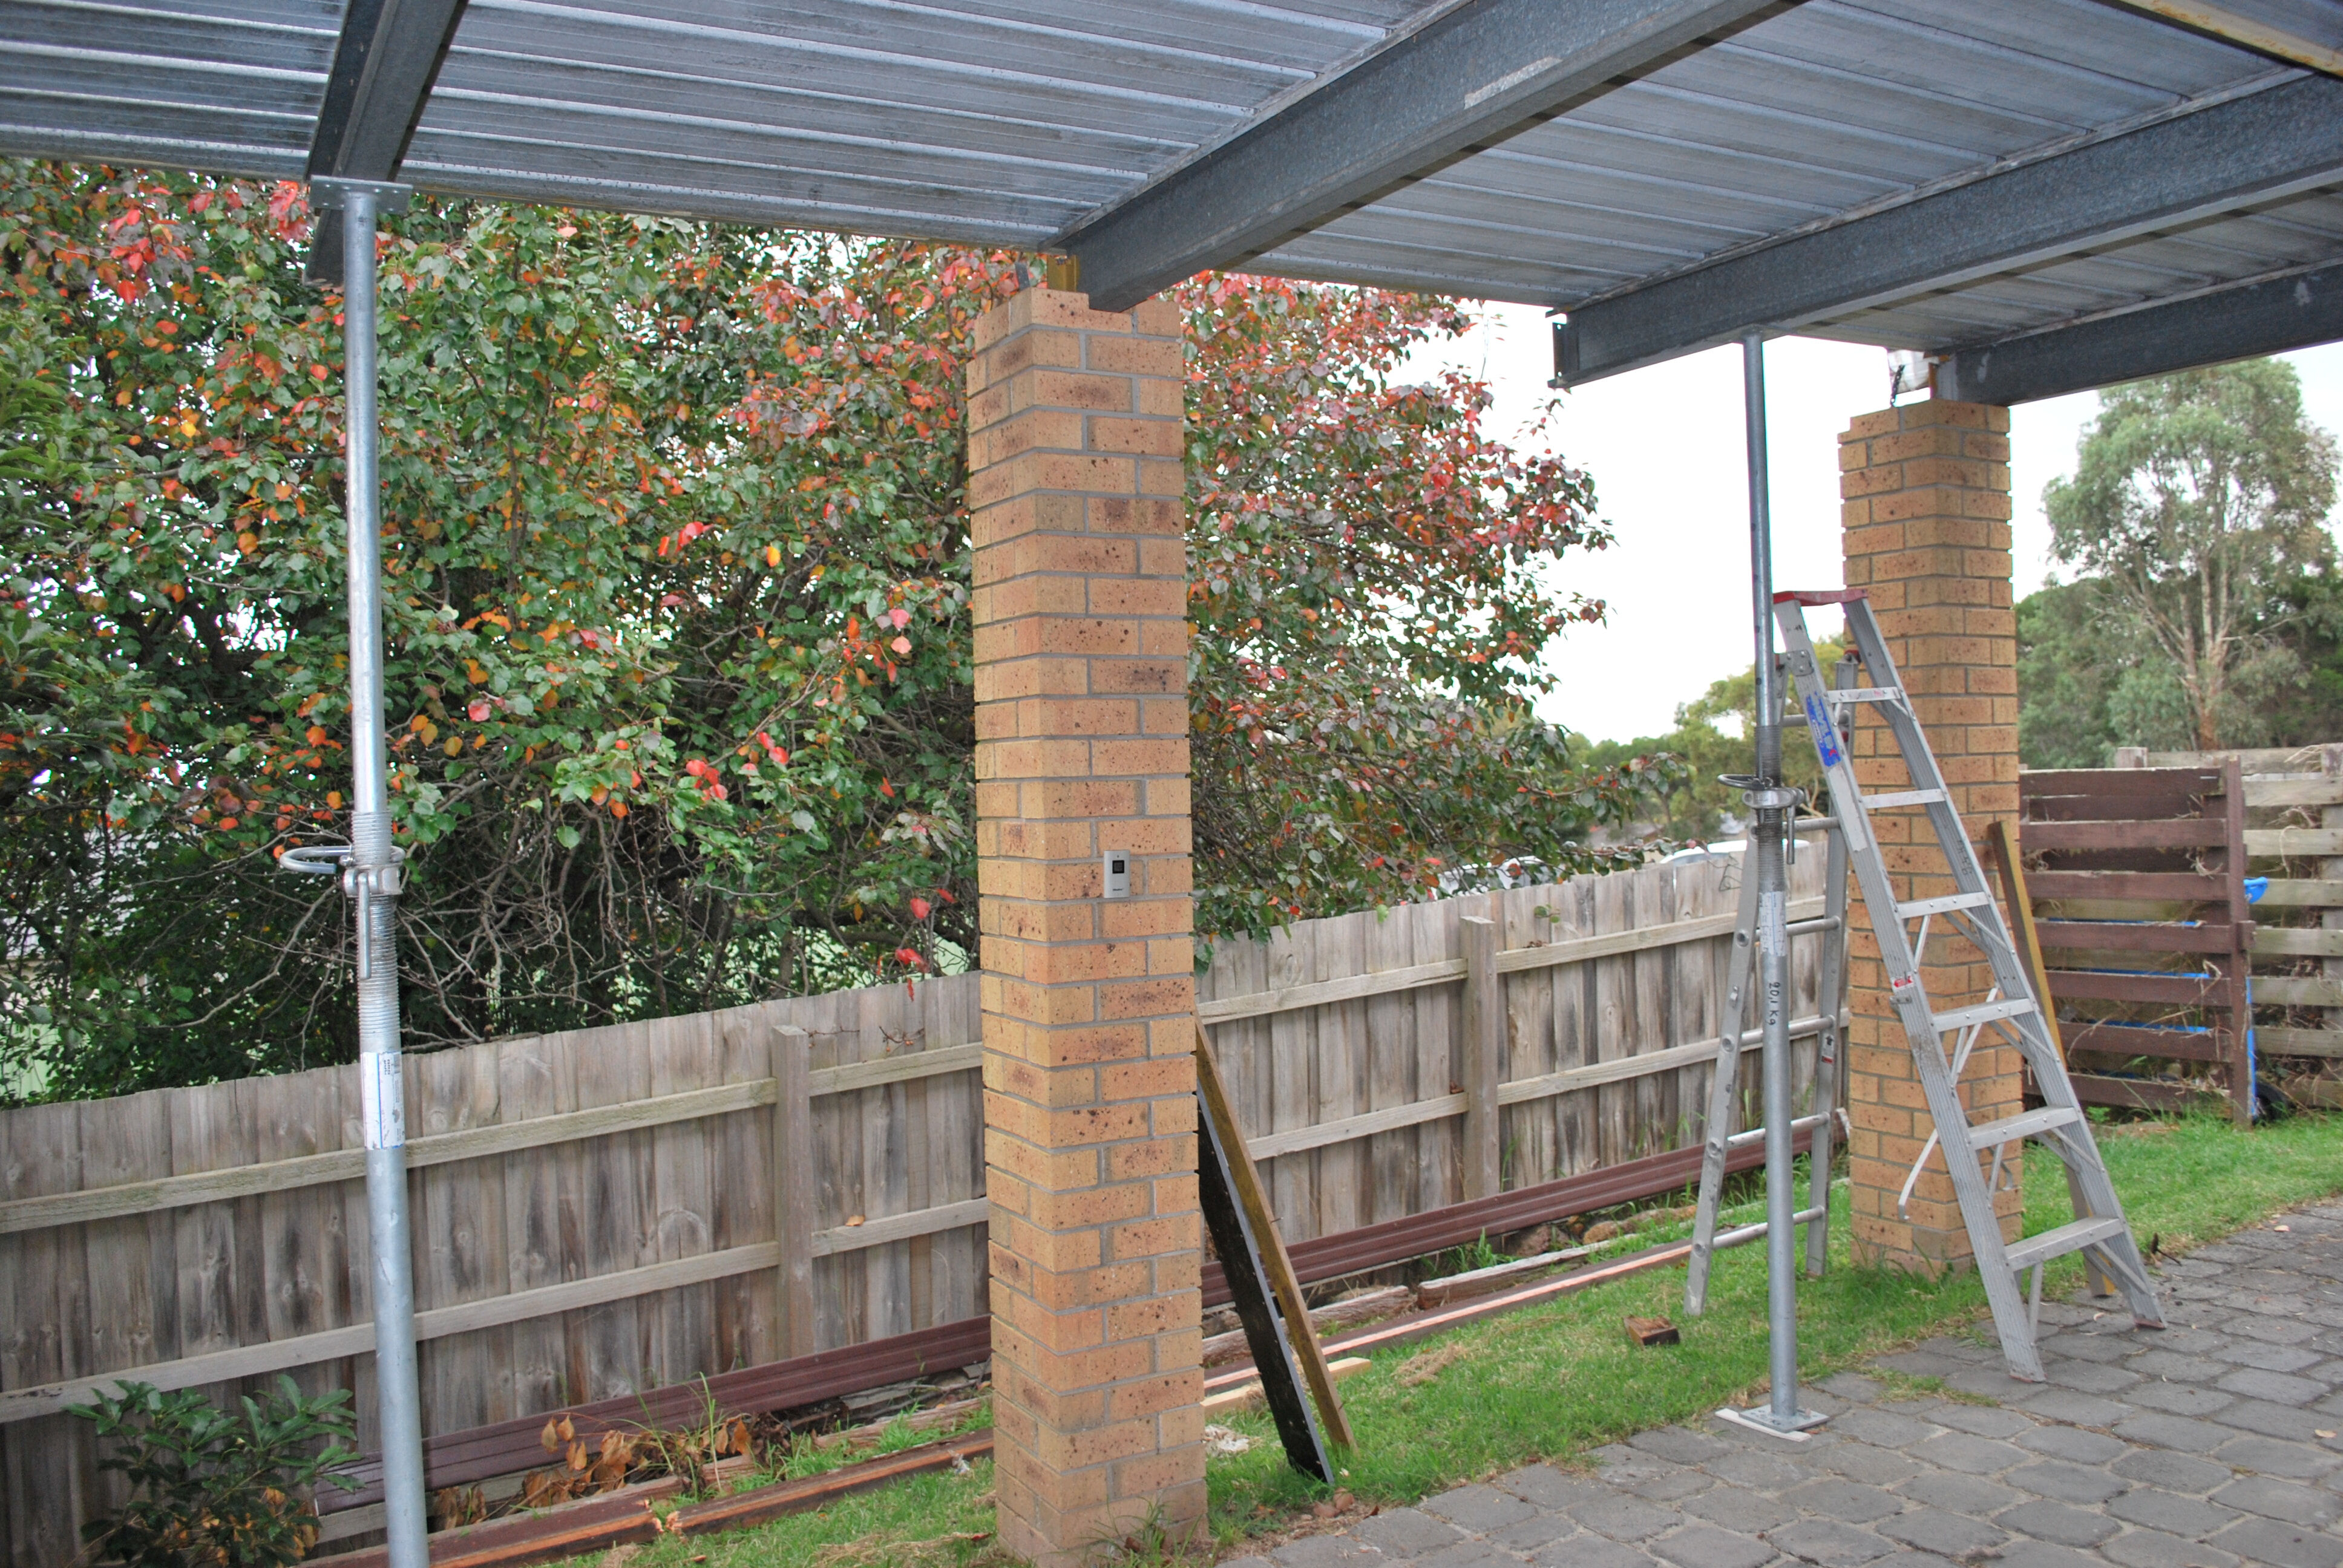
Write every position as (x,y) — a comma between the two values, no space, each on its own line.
(1972,1455)
(2065,1405)
(2067,1482)
(1588,1550)
(2276,1387)
(1479,1509)
(1673,1484)
(1466,1555)
(2072,1444)
(1884,1426)
(1970,1494)
(1736,1508)
(1625,1518)
(1841,1498)
(2171,1472)
(1325,1552)
(1405,1532)
(1872,1466)
(2043,1520)
(2280,1544)
(1706,1546)
(1549,1488)
(1538,1530)
(2279,1499)
(2154,1549)
(2174,1512)
(2270,1455)
(2272,1358)
(1755,1468)
(1853,1387)
(2271,1420)
(1830,1543)
(2174,1431)
(2178,1398)
(1680,1444)
(1937,1530)
(2031,1553)
(2174,1367)
(2086,1377)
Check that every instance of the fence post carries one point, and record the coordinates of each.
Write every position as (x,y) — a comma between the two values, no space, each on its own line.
(2330,765)
(1485,1042)
(793,1189)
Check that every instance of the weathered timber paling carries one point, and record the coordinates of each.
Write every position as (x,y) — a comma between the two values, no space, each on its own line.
(507,1143)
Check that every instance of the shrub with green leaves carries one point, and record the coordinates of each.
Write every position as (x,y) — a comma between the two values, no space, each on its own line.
(214,1488)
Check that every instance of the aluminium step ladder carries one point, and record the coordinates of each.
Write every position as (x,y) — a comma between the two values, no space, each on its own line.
(1725,1083)
(2012,1010)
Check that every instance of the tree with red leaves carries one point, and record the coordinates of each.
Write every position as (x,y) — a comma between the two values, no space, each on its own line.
(677,614)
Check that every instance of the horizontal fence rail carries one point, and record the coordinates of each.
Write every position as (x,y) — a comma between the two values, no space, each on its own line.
(623,1208)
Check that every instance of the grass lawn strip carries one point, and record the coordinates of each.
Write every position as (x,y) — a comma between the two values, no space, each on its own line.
(1553,1381)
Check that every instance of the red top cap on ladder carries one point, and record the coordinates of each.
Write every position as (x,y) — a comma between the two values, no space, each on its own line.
(1818,596)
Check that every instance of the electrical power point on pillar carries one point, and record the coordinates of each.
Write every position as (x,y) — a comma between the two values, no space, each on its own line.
(1116,881)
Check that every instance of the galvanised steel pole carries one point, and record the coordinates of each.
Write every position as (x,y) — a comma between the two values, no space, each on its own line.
(372,881)
(1771,805)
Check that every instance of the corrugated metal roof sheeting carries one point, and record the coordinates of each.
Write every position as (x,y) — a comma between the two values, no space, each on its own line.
(1004,121)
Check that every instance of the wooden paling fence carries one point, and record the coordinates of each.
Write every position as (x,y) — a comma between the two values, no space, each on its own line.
(2294,836)
(602,1212)
(2137,881)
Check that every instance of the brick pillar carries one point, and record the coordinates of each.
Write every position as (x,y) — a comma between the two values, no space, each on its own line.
(1081,722)
(1925,488)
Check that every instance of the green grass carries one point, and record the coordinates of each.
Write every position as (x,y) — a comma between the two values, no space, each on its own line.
(1553,1381)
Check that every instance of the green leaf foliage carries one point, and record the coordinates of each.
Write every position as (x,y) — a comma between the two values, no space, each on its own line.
(213,1488)
(677,606)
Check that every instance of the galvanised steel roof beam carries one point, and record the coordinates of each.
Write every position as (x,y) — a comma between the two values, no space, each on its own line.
(2276,142)
(1474,75)
(2270,316)
(384,66)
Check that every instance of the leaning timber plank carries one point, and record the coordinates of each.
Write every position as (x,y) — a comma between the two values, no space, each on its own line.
(2302,892)
(2167,833)
(2196,887)
(2270,1040)
(2285,843)
(2296,990)
(2297,942)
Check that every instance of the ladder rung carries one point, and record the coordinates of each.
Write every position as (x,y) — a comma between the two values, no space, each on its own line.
(1918,907)
(1983,1012)
(2071,1237)
(1735,1237)
(1758,1134)
(1988,1134)
(1903,797)
(1864,693)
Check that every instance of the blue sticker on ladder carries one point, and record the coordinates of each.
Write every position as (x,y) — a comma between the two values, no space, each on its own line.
(1825,733)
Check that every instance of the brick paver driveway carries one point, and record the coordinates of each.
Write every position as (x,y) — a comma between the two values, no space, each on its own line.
(2209,1444)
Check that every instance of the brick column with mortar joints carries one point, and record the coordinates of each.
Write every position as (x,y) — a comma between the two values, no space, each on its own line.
(1925,493)
(1076,477)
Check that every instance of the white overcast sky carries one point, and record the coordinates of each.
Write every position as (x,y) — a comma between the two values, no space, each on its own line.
(1664,447)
